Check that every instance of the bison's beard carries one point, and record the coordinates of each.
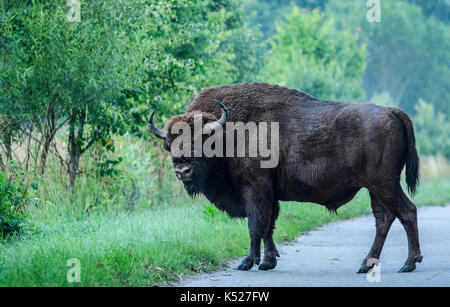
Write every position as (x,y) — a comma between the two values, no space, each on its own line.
(196,186)
(192,188)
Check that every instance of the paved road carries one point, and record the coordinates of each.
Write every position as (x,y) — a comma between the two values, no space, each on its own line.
(330,256)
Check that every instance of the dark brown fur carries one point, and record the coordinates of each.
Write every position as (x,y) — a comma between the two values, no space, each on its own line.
(328,151)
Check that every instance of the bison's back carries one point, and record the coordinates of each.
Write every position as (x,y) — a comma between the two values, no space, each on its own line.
(246,102)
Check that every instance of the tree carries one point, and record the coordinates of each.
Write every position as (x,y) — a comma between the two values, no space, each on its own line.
(14,96)
(192,45)
(436,8)
(407,52)
(310,55)
(74,73)
(265,13)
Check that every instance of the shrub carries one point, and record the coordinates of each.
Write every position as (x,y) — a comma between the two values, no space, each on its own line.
(13,201)
(383,99)
(432,130)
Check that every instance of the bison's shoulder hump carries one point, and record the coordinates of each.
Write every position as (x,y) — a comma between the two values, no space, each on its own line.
(243,94)
(250,88)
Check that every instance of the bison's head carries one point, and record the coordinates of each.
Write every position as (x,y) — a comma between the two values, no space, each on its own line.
(191,167)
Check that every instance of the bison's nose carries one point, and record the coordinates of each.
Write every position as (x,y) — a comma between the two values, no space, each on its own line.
(184,173)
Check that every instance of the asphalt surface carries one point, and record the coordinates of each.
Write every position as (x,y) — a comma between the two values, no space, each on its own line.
(331,255)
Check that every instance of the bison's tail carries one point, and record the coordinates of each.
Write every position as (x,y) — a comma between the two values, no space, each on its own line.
(412,158)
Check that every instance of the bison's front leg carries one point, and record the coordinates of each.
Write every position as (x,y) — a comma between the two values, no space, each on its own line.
(254,255)
(270,251)
(259,213)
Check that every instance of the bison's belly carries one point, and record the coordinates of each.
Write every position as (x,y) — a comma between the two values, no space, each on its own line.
(233,210)
(331,196)
(229,203)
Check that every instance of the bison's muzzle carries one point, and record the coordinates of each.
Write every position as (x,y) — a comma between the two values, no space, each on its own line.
(184,173)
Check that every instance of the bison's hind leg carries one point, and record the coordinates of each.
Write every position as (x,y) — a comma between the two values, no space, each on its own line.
(398,204)
(383,222)
(408,218)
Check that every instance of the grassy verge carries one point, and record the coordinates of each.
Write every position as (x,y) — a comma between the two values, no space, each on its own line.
(151,247)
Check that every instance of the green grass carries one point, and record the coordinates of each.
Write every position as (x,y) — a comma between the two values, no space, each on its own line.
(154,246)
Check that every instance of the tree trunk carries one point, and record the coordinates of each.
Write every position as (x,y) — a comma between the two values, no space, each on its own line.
(2,165)
(27,157)
(47,141)
(74,152)
(7,142)
(73,164)
(8,151)
(49,134)
(76,139)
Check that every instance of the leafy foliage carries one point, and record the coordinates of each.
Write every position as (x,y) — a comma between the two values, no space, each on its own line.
(191,45)
(310,55)
(13,201)
(432,130)
(265,13)
(440,9)
(383,99)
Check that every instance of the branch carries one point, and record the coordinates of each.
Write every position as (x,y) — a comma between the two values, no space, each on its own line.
(92,141)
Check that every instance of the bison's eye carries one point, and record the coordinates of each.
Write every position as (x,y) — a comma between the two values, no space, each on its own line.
(179,160)
(166,145)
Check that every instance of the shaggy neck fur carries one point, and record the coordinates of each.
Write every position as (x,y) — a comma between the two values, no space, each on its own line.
(221,191)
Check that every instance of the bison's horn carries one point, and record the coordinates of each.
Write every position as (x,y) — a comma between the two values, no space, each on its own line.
(155,130)
(222,120)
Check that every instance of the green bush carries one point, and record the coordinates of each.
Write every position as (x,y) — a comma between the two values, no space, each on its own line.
(383,99)
(432,130)
(13,200)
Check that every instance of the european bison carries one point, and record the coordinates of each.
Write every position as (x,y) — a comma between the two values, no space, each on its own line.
(328,151)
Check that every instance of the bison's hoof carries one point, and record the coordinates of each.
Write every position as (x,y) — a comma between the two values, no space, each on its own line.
(264,266)
(247,263)
(268,263)
(364,269)
(407,268)
(243,266)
